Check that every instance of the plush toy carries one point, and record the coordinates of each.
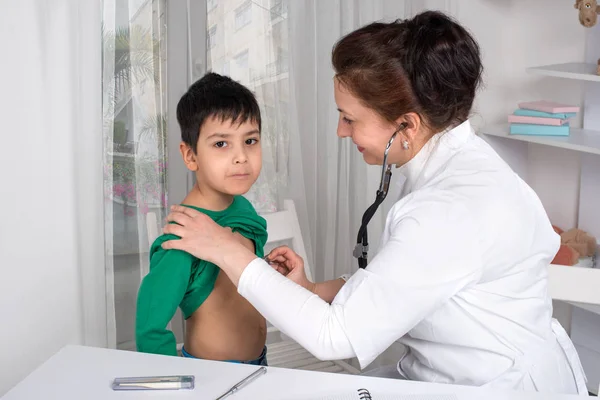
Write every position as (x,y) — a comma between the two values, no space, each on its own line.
(588,12)
(574,243)
(581,241)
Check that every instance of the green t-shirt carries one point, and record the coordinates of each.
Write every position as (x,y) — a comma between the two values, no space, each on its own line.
(178,279)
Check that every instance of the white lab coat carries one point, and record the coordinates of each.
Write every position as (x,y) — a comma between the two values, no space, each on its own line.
(460,279)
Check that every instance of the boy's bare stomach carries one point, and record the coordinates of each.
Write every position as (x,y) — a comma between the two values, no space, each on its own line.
(225,326)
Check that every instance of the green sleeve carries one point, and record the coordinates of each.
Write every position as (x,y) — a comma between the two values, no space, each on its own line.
(159,296)
(249,224)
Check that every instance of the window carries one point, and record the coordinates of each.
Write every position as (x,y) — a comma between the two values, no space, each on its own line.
(252,48)
(282,61)
(278,9)
(280,65)
(241,60)
(225,69)
(135,156)
(243,15)
(211,37)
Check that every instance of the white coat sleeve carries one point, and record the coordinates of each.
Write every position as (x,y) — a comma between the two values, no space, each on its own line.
(431,255)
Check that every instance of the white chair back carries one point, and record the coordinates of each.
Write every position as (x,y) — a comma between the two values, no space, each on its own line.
(283,226)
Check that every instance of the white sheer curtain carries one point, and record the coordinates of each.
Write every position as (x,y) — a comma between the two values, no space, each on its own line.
(329,181)
(328,178)
(135,162)
(52,286)
(248,41)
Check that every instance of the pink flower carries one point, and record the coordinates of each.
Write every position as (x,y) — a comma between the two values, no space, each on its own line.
(118,189)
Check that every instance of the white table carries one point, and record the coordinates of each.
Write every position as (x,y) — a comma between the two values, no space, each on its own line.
(78,372)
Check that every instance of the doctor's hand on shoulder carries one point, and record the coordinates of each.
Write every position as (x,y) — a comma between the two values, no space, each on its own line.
(198,235)
(288,263)
(205,239)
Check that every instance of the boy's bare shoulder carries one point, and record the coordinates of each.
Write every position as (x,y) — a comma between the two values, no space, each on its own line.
(249,244)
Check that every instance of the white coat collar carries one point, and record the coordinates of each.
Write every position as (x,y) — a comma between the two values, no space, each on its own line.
(440,148)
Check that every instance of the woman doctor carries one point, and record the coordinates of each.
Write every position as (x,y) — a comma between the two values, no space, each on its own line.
(460,277)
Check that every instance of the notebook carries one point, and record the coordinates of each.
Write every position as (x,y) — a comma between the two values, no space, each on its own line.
(549,106)
(534,113)
(522,119)
(539,130)
(364,394)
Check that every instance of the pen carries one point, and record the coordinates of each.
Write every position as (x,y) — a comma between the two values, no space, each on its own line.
(243,382)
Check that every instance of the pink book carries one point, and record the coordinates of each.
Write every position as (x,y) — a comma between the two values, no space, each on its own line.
(549,107)
(522,119)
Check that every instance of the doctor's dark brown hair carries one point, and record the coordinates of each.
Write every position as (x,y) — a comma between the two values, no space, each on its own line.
(429,65)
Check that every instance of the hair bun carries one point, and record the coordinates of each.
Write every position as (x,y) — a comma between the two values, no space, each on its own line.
(428,64)
(443,65)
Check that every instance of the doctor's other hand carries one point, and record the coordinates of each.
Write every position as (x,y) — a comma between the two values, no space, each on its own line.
(291,265)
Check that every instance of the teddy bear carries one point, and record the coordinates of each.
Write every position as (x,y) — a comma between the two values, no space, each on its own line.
(588,12)
(574,243)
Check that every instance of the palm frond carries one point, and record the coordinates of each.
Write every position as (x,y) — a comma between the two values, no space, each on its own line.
(155,127)
(135,53)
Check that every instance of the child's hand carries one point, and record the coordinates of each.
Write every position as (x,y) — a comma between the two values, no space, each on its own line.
(288,263)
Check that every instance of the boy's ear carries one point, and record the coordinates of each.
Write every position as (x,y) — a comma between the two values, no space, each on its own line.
(189,156)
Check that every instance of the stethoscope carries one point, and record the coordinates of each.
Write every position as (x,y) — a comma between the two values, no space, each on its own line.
(362,243)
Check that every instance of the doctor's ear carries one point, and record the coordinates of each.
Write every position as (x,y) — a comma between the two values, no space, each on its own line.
(409,125)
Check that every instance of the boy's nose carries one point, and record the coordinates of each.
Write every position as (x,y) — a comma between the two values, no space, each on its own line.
(240,158)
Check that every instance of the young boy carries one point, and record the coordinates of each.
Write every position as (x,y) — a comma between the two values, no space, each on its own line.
(220,128)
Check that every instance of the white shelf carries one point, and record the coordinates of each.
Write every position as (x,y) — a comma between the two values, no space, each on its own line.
(579,71)
(588,307)
(583,140)
(574,284)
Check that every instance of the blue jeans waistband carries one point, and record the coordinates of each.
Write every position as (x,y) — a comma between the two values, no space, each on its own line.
(261,360)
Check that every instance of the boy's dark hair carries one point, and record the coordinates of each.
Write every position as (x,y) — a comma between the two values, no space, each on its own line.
(429,64)
(217,96)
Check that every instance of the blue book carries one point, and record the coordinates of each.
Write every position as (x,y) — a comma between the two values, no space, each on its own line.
(539,130)
(533,113)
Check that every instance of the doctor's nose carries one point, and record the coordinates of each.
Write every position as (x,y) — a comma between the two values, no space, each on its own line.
(343,131)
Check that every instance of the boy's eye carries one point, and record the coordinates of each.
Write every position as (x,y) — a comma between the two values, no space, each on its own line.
(220,144)
(251,141)
(347,121)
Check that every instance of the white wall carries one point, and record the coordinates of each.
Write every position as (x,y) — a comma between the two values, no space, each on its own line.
(515,35)
(45,222)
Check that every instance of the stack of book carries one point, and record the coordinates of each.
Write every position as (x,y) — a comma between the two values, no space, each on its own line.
(542,118)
